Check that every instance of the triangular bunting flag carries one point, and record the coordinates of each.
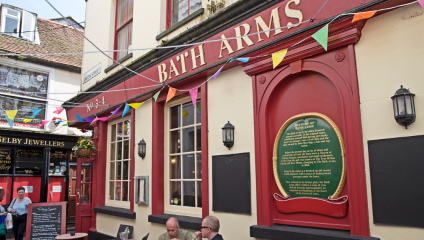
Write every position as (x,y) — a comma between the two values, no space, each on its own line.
(278,57)
(185,114)
(58,121)
(11,117)
(58,110)
(127,107)
(365,15)
(10,122)
(116,111)
(26,120)
(88,119)
(199,106)
(193,94)
(43,122)
(65,125)
(94,120)
(171,94)
(421,3)
(35,112)
(241,59)
(156,96)
(79,118)
(216,74)
(135,105)
(322,37)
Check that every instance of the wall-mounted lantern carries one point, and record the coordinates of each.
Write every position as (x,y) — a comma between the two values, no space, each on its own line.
(228,135)
(142,148)
(404,107)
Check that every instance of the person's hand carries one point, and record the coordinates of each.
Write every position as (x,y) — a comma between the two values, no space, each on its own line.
(12,211)
(198,235)
(2,214)
(175,239)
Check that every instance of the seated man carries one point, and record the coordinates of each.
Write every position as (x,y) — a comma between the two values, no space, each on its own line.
(174,232)
(209,229)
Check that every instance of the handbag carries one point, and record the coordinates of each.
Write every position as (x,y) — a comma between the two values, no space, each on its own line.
(9,222)
(2,227)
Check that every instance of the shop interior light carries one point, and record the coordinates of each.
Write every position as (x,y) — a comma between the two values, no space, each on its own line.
(404,107)
(142,148)
(228,135)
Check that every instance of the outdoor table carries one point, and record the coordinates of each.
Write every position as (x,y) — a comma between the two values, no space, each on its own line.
(68,236)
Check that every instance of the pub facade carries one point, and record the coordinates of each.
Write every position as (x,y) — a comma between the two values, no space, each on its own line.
(300,150)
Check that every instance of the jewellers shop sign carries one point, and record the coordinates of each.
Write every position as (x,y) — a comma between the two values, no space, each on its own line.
(90,74)
(35,142)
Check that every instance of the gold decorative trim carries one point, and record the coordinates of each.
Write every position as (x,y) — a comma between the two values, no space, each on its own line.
(339,136)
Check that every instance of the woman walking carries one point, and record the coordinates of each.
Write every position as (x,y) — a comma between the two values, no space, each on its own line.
(19,210)
(2,213)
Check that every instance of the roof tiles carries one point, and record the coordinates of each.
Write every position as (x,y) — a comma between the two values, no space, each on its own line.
(54,38)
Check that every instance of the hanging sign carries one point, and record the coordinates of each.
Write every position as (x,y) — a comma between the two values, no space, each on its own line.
(309,165)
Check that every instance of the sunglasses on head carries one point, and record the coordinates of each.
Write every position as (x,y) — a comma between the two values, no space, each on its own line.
(201,227)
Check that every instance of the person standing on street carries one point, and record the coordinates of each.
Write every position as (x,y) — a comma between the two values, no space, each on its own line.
(19,210)
(3,213)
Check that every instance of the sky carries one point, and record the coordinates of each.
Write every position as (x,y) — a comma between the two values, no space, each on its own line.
(74,8)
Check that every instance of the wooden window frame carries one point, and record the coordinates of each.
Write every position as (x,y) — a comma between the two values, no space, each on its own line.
(158,149)
(180,209)
(169,12)
(111,202)
(117,29)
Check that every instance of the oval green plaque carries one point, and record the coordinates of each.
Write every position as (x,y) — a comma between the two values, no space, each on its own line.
(308,157)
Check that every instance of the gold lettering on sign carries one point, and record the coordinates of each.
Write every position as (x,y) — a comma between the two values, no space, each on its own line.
(201,56)
(244,37)
(227,46)
(173,69)
(163,75)
(293,14)
(260,23)
(91,105)
(182,57)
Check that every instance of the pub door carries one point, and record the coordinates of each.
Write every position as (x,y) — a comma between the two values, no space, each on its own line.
(83,195)
(72,180)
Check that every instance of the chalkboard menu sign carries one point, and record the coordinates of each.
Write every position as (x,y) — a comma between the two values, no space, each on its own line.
(309,157)
(46,220)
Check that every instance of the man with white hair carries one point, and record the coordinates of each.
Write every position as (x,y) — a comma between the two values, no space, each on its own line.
(173,231)
(209,229)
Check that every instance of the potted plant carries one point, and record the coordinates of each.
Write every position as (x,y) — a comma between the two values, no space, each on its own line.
(84,147)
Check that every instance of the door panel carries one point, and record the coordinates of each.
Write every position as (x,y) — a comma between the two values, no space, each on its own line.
(72,193)
(83,195)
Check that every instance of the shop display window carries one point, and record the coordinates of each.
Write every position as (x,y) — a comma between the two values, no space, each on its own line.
(29,161)
(119,160)
(184,156)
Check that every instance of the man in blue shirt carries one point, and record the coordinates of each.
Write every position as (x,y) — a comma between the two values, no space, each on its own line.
(209,229)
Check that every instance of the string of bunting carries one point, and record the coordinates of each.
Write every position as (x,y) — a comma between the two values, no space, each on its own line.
(321,36)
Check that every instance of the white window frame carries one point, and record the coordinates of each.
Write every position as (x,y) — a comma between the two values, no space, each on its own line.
(21,20)
(171,209)
(33,20)
(110,202)
(3,20)
(36,68)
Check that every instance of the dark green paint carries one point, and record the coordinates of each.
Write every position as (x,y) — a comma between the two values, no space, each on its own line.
(310,170)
